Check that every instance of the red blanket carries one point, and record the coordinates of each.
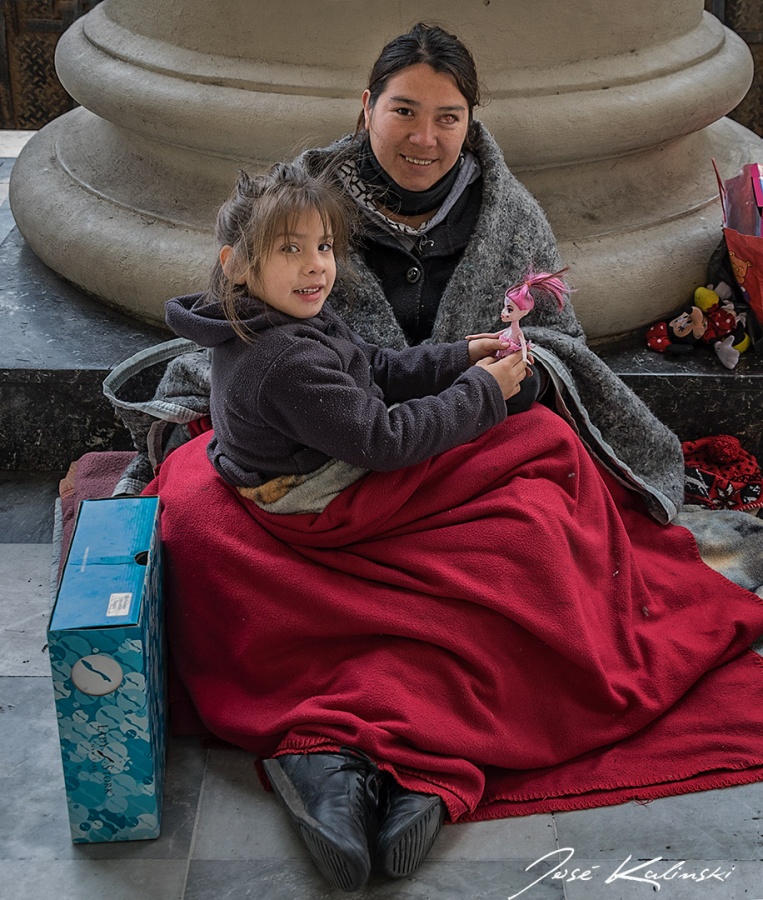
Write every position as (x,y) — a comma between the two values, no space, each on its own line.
(503,625)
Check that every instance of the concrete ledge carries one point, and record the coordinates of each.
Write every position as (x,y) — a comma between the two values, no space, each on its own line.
(58,345)
(695,395)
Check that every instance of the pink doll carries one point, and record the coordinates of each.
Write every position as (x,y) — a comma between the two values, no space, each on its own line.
(519,301)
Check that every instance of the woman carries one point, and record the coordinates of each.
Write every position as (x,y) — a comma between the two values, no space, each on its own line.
(436,250)
(508,605)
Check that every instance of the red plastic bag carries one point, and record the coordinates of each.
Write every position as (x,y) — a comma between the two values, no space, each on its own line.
(742,203)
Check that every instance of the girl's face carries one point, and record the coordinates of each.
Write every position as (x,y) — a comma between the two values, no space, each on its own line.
(298,273)
(417,126)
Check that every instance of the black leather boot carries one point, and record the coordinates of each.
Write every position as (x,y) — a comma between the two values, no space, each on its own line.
(410,822)
(333,799)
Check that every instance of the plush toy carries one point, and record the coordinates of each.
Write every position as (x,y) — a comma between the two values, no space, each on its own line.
(519,301)
(712,320)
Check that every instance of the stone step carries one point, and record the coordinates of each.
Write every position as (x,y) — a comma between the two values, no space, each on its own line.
(695,395)
(59,344)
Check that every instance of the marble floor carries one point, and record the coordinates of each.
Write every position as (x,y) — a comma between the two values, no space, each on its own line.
(224,837)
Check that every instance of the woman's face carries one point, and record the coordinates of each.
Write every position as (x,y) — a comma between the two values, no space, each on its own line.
(417,126)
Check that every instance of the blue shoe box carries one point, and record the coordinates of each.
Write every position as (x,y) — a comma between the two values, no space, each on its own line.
(105,641)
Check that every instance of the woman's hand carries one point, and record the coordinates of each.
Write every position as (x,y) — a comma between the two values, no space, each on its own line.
(509,372)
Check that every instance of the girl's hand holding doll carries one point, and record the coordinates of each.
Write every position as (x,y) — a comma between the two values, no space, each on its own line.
(484,346)
(509,372)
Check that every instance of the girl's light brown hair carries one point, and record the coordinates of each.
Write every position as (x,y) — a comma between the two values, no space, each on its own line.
(261,210)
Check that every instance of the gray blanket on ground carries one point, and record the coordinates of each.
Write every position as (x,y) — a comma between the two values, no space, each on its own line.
(730,542)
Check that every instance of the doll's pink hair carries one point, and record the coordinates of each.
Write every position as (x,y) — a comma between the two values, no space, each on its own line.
(520,294)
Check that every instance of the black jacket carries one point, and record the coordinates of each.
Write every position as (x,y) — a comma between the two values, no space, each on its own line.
(415,280)
(304,391)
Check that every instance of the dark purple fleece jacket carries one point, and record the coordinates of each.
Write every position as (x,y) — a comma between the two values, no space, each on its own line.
(304,391)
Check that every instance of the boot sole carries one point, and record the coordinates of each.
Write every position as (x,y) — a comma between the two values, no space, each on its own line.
(406,852)
(336,866)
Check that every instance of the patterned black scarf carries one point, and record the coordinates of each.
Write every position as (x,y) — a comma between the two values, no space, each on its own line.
(397,199)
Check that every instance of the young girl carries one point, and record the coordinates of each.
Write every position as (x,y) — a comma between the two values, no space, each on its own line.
(293,389)
(302,407)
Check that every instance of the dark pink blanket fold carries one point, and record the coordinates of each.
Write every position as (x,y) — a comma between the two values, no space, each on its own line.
(502,624)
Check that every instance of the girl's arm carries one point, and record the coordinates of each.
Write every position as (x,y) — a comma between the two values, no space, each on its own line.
(309,398)
(415,371)
(424,370)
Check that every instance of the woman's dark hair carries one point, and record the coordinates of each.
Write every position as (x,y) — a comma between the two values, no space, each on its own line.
(436,48)
(259,211)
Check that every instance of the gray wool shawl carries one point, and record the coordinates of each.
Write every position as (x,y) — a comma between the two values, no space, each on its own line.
(511,236)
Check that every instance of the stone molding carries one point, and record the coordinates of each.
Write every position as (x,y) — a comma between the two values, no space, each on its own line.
(613,130)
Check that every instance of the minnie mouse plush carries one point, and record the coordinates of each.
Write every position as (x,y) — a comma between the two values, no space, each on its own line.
(711,321)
